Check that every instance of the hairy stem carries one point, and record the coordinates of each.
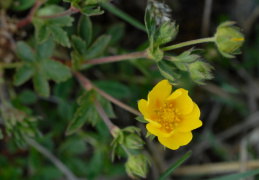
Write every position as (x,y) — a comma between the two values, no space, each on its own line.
(116,58)
(188,43)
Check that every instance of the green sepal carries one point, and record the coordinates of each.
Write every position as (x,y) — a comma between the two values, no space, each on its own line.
(167,69)
(141,119)
(150,24)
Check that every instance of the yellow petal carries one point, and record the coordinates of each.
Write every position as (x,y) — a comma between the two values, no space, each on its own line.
(176,140)
(175,94)
(158,94)
(190,121)
(142,106)
(157,131)
(183,102)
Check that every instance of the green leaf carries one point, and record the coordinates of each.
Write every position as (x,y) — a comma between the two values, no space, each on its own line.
(155,53)
(55,70)
(91,10)
(21,5)
(42,33)
(114,88)
(78,44)
(41,84)
(141,119)
(83,114)
(150,24)
(98,46)
(23,74)
(85,29)
(172,168)
(24,52)
(123,16)
(167,69)
(60,36)
(238,175)
(76,60)
(44,50)
(62,21)
(117,32)
(28,97)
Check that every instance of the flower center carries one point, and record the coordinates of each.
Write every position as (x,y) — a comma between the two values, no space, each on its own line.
(168,117)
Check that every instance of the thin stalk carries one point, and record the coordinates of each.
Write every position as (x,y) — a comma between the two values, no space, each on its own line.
(58,15)
(117,58)
(105,118)
(188,43)
(62,167)
(88,85)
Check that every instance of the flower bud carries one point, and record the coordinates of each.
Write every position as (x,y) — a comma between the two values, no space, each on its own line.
(229,39)
(133,141)
(136,166)
(200,71)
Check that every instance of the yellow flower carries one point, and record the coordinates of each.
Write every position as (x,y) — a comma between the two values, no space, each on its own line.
(171,116)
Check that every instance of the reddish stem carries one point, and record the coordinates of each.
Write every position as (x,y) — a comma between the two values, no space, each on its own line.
(116,58)
(28,18)
(88,85)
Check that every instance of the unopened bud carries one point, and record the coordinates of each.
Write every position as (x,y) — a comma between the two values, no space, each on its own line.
(229,39)
(137,166)
(133,141)
(200,71)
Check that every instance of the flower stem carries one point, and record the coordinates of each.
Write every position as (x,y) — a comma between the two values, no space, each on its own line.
(188,43)
(104,116)
(70,11)
(116,58)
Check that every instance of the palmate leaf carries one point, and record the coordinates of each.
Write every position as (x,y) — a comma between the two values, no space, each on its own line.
(24,52)
(59,35)
(55,70)
(44,50)
(98,46)
(23,74)
(87,112)
(78,44)
(41,84)
(85,29)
